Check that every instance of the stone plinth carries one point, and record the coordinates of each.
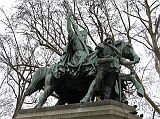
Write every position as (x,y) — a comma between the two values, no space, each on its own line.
(93,110)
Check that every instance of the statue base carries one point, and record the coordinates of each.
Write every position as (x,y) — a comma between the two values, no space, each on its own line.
(108,109)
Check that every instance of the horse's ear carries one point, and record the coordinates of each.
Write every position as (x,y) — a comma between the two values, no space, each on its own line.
(129,42)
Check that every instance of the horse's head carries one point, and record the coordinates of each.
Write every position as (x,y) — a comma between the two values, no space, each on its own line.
(127,51)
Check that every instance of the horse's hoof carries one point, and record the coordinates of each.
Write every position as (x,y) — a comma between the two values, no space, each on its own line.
(37,107)
(83,101)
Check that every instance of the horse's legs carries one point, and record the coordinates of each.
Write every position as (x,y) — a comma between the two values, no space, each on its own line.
(48,90)
(89,93)
(139,87)
(32,88)
(38,77)
(99,76)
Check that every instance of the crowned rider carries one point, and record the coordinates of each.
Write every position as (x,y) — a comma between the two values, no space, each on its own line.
(76,51)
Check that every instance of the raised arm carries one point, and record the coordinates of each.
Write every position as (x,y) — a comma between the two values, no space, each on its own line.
(69,25)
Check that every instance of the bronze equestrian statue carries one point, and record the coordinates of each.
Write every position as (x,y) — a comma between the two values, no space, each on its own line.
(70,78)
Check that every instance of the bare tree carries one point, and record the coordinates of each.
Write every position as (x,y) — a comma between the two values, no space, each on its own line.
(20,56)
(43,27)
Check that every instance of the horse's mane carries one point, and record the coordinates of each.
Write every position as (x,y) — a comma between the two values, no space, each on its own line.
(118,42)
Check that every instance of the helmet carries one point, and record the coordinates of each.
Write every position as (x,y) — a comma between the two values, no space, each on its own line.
(109,40)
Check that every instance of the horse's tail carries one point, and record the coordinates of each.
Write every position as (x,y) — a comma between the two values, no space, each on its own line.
(37,81)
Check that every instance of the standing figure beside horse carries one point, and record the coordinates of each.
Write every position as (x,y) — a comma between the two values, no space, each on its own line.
(109,59)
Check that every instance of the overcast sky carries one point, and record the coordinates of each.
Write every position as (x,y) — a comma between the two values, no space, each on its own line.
(8,3)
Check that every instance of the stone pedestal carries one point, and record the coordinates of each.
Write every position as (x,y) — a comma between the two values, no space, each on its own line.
(93,110)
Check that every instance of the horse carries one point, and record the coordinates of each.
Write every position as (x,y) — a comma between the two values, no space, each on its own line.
(69,87)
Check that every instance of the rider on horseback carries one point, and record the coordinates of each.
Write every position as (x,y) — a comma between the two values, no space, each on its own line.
(76,50)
